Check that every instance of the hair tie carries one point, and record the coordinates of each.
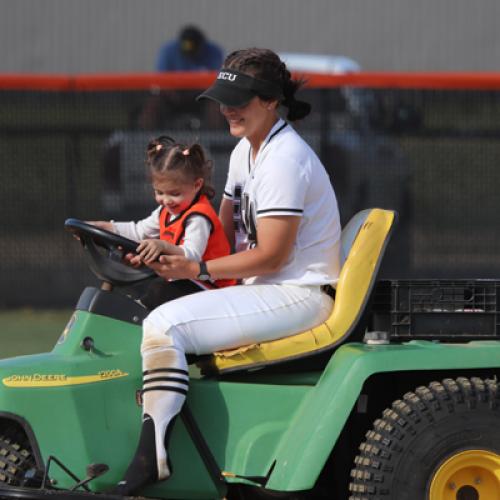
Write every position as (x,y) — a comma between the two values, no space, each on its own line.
(186,152)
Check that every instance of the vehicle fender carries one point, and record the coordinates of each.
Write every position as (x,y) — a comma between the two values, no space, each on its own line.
(318,423)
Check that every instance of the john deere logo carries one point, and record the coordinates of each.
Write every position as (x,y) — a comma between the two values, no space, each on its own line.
(60,379)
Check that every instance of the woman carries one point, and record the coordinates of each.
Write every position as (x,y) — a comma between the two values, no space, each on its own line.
(280,212)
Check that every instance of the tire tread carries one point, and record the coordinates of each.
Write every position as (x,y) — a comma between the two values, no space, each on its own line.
(15,457)
(380,452)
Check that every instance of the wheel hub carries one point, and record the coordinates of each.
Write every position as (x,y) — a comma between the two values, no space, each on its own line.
(468,475)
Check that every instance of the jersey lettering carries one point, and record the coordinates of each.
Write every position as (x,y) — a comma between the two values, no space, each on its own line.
(248,217)
(237,207)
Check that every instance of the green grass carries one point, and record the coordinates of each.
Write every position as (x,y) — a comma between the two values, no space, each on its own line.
(28,331)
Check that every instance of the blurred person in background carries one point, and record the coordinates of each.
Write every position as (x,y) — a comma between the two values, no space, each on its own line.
(191,51)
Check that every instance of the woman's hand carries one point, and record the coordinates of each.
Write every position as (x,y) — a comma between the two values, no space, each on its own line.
(175,267)
(150,250)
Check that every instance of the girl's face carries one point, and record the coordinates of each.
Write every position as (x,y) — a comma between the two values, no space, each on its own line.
(174,192)
(254,120)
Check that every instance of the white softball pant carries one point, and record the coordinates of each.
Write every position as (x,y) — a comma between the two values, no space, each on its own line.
(210,321)
(229,317)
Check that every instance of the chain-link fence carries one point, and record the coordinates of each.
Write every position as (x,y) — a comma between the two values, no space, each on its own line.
(431,154)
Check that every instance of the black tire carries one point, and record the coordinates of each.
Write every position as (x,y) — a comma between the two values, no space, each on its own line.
(414,438)
(15,457)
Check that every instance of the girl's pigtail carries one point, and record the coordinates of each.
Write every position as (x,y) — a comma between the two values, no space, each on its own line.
(157,148)
(197,155)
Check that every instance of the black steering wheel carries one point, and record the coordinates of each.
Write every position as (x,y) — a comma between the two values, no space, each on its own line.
(106,262)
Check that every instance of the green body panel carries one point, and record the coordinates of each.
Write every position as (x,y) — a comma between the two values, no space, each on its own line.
(73,422)
(316,427)
(252,422)
(93,422)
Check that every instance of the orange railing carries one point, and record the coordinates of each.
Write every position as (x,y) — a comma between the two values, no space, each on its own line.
(182,80)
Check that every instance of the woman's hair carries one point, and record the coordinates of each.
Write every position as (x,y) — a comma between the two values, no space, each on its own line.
(164,155)
(265,65)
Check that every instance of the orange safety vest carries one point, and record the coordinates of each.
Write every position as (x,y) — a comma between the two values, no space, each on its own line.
(217,245)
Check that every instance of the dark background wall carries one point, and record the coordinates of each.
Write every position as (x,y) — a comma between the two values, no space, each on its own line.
(432,155)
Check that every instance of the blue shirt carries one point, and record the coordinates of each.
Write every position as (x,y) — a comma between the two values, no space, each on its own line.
(171,58)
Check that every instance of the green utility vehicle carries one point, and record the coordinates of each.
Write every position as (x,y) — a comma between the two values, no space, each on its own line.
(393,397)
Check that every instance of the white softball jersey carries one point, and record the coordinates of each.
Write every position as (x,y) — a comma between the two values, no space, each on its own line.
(287,178)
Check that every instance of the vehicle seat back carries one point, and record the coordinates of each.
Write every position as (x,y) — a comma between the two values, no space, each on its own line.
(363,243)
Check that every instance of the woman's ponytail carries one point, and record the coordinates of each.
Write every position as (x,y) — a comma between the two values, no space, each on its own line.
(296,109)
(266,65)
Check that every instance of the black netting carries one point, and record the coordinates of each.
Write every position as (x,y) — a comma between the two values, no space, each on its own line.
(431,155)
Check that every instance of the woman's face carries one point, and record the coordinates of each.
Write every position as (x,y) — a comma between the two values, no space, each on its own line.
(253,120)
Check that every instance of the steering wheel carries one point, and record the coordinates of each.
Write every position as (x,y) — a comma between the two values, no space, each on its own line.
(105,251)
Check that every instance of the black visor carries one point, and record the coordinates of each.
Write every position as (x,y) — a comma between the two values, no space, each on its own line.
(236,89)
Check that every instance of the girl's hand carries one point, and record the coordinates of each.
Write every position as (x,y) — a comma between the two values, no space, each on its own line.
(149,250)
(133,260)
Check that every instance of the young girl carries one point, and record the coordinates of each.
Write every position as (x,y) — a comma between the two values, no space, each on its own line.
(184,223)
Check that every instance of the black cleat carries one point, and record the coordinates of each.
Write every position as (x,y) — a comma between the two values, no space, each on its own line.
(143,470)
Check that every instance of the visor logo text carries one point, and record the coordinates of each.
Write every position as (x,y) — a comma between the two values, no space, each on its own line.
(223,75)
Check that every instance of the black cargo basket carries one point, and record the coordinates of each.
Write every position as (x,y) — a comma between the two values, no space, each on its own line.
(448,310)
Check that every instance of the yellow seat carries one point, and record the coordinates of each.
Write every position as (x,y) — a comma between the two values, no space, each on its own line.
(363,242)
